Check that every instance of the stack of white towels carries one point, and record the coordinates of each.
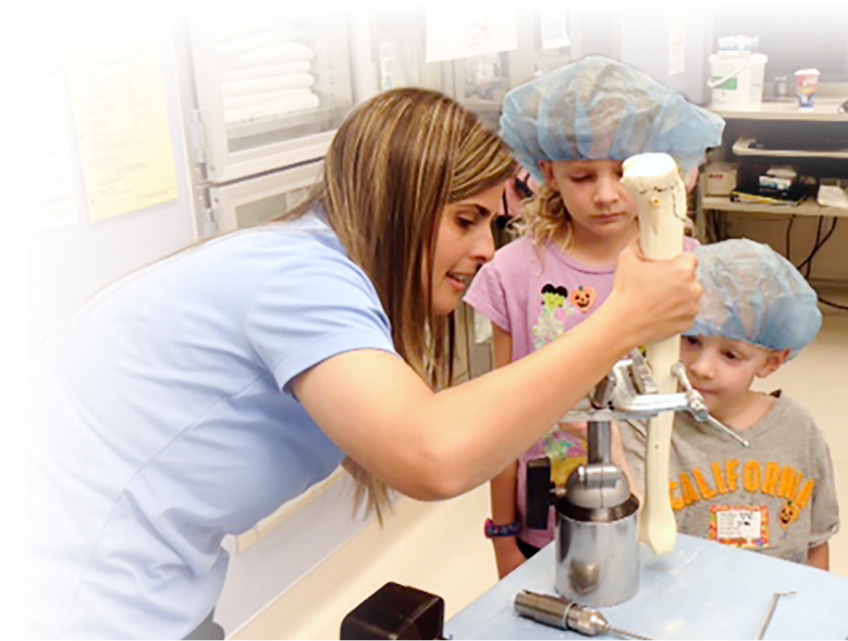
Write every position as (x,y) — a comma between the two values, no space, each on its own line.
(265,72)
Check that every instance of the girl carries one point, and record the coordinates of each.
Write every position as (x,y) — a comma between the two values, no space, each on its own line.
(572,128)
(193,398)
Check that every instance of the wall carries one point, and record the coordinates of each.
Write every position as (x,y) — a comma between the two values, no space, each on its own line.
(288,552)
(596,32)
(437,547)
(829,264)
(60,268)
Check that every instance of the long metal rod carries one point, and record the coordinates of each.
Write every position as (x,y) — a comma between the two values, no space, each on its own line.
(626,634)
(769,613)
(599,437)
(599,433)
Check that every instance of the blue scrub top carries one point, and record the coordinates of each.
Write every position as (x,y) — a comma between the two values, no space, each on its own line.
(161,420)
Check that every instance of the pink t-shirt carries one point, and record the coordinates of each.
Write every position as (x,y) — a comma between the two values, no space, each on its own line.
(537,293)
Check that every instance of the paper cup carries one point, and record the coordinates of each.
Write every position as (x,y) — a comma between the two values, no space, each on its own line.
(806,87)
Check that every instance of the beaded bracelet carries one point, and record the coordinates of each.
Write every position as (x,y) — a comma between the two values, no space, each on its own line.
(493,531)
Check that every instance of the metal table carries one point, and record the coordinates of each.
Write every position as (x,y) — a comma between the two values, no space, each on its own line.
(702,590)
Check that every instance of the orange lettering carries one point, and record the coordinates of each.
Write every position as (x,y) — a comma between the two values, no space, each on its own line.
(690,494)
(677,502)
(790,481)
(752,475)
(719,478)
(732,474)
(806,494)
(772,479)
(706,491)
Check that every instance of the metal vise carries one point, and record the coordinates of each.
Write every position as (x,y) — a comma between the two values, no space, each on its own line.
(596,533)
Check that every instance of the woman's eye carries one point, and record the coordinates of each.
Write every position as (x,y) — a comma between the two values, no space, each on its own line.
(465,222)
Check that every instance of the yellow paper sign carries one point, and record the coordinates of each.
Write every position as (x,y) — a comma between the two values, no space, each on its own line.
(122,126)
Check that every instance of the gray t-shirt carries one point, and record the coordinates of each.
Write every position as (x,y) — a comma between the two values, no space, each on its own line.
(776,496)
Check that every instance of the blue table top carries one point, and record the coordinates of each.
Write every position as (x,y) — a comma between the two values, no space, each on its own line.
(702,590)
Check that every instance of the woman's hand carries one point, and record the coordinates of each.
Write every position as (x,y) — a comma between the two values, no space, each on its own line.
(655,299)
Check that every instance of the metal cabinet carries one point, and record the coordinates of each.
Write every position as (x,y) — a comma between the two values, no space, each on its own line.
(254,201)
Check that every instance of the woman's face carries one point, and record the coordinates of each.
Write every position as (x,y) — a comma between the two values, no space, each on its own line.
(464,242)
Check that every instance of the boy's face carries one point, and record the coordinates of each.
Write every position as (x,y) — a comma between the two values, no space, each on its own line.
(723,370)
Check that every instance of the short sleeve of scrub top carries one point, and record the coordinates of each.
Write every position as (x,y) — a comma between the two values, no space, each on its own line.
(158,426)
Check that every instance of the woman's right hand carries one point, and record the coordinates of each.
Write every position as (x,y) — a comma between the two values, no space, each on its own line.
(656,298)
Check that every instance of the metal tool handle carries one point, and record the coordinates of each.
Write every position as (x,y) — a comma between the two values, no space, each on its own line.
(543,608)
(561,613)
(640,372)
(622,403)
(770,613)
(697,406)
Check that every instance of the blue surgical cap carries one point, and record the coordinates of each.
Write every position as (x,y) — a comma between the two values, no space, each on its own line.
(753,294)
(600,109)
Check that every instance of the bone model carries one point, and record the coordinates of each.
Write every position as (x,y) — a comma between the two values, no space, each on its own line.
(654,182)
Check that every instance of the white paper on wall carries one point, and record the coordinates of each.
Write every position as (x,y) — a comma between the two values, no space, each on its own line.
(553,26)
(41,184)
(456,31)
(676,41)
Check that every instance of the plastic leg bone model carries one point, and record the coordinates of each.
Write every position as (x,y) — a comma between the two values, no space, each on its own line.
(596,538)
(654,182)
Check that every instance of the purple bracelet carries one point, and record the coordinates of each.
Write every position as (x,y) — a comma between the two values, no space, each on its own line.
(493,531)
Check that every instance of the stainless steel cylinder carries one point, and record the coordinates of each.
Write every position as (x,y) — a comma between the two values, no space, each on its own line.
(597,553)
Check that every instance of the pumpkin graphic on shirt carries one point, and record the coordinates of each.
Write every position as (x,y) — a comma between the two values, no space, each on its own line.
(554,309)
(583,298)
(789,514)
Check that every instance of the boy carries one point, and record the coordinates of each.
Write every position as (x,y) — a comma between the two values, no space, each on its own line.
(776,496)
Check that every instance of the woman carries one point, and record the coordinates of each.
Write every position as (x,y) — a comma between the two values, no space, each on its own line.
(193,398)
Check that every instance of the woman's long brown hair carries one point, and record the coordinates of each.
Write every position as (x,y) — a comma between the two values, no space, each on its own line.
(392,166)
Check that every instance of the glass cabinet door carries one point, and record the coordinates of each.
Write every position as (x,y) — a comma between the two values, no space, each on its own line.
(273,83)
(543,43)
(556,36)
(483,81)
(255,201)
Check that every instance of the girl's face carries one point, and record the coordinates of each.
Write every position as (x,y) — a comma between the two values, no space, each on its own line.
(599,205)
(464,242)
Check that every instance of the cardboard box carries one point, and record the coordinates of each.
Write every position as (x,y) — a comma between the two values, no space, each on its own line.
(720,179)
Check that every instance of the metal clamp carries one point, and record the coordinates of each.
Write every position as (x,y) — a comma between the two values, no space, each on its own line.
(630,393)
